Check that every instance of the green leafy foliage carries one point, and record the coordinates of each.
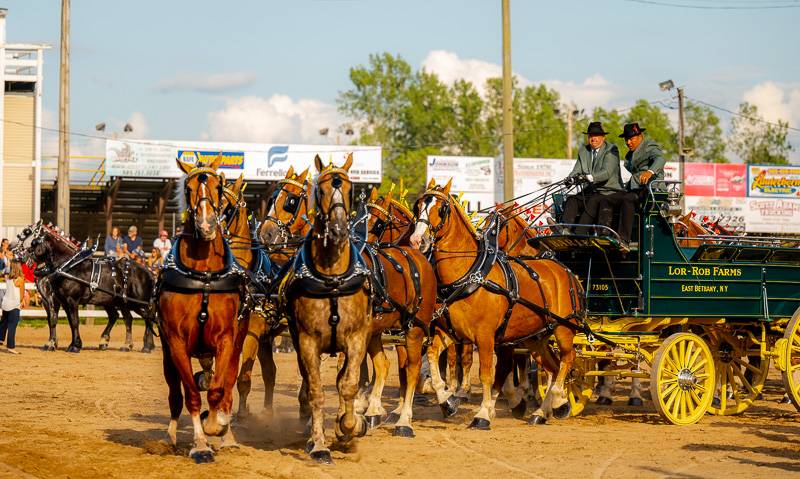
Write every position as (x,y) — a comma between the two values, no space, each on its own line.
(756,141)
(703,135)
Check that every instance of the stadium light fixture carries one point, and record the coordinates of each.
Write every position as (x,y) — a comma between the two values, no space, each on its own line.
(666,85)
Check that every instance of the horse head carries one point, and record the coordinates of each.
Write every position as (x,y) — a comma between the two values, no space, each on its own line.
(432,211)
(334,196)
(232,202)
(203,191)
(21,247)
(287,210)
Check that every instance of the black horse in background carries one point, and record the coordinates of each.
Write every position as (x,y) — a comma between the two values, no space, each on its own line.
(68,276)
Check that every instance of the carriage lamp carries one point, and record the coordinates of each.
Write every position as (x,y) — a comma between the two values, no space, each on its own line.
(671,210)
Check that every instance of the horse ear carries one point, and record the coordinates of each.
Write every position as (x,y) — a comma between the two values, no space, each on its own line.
(431,184)
(348,162)
(373,195)
(389,198)
(237,186)
(222,178)
(185,167)
(318,164)
(217,161)
(302,176)
(448,185)
(290,173)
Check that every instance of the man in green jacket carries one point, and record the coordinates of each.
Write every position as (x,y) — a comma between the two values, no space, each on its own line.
(597,169)
(645,161)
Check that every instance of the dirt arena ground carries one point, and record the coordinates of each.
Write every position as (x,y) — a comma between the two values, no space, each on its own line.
(104,414)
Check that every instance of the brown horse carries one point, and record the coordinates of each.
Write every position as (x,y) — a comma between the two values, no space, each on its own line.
(198,301)
(327,296)
(285,224)
(483,306)
(396,228)
(687,227)
(405,286)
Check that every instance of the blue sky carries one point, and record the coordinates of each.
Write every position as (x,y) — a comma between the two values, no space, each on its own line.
(271,70)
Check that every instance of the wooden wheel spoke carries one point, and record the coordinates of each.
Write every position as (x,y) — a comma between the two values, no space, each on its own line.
(698,365)
(747,365)
(674,367)
(669,388)
(677,404)
(695,397)
(671,398)
(745,382)
(682,354)
(689,357)
(693,358)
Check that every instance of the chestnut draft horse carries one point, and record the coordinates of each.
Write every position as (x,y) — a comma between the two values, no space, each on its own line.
(283,228)
(327,295)
(404,298)
(395,228)
(199,296)
(493,300)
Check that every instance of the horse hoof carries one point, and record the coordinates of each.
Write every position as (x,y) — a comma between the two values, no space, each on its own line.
(147,350)
(73,349)
(563,411)
(200,382)
(449,406)
(635,402)
(403,431)
(125,349)
(392,418)
(202,457)
(309,447)
(462,399)
(784,400)
(518,411)
(537,420)
(480,424)
(373,421)
(322,457)
(603,401)
(102,347)
(223,430)
(364,426)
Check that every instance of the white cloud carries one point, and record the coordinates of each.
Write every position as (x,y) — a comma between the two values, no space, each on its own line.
(141,129)
(591,92)
(274,119)
(775,102)
(220,82)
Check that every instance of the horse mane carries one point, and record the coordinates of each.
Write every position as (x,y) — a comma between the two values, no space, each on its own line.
(456,206)
(55,233)
(403,208)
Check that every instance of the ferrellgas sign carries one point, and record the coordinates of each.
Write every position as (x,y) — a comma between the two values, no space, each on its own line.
(773,181)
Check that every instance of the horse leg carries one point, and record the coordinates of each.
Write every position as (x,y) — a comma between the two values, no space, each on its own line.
(179,356)
(105,336)
(452,365)
(402,365)
(268,372)
(605,390)
(414,339)
(74,324)
(175,396)
(504,382)
(349,423)
(635,398)
(486,413)
(465,386)
(365,386)
(250,349)
(308,352)
(303,394)
(148,344)
(375,412)
(128,345)
(445,398)
(556,403)
(52,322)
(220,395)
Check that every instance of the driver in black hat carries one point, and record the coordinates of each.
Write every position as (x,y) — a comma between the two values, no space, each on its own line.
(645,161)
(597,169)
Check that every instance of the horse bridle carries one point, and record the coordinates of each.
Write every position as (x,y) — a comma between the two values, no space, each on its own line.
(291,205)
(337,177)
(380,225)
(202,173)
(444,211)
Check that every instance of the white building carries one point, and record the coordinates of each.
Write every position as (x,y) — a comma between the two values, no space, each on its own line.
(20,132)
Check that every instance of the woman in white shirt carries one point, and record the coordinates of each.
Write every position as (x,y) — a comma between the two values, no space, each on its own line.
(13,300)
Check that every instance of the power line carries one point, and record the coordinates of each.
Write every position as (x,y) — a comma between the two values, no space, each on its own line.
(794,4)
(752,118)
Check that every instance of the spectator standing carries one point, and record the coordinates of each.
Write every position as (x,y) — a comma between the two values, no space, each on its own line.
(133,243)
(163,244)
(113,246)
(14,299)
(5,257)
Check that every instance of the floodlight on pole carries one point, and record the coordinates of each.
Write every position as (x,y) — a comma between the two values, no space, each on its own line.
(666,85)
(100,127)
(127,128)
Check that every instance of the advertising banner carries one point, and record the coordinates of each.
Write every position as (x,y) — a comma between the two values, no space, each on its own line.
(473,176)
(730,180)
(700,179)
(772,215)
(258,161)
(773,181)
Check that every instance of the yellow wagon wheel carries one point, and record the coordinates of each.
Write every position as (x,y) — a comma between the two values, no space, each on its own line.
(740,374)
(789,359)
(579,386)
(682,378)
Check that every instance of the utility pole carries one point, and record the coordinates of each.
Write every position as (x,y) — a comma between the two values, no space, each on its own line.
(508,108)
(570,120)
(62,197)
(681,156)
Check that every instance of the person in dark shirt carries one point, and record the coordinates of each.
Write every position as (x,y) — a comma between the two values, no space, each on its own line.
(133,243)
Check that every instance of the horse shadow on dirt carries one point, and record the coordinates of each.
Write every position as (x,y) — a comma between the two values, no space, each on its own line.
(782,435)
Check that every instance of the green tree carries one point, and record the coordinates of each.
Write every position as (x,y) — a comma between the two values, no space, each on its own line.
(656,122)
(756,141)
(612,123)
(703,135)
(539,129)
(470,135)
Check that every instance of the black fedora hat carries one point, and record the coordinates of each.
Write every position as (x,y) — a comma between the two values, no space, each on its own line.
(595,128)
(631,129)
